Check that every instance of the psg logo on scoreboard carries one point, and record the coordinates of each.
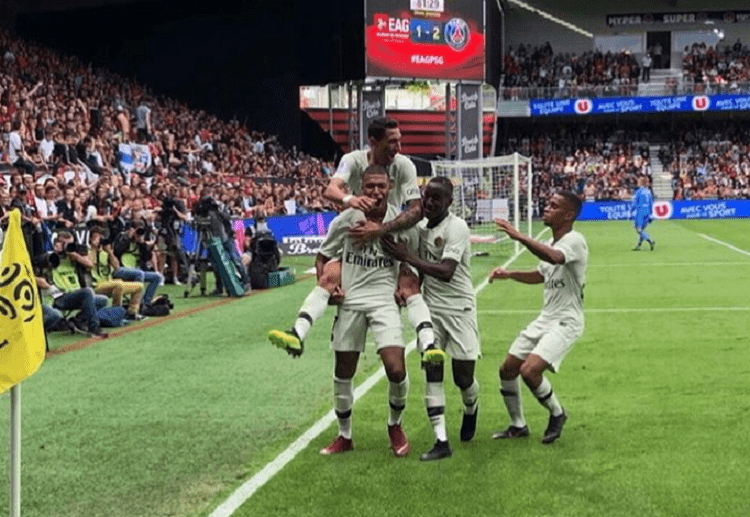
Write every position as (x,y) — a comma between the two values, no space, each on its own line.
(456,33)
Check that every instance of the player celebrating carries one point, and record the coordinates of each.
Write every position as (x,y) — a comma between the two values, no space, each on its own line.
(443,260)
(385,143)
(545,342)
(643,205)
(369,278)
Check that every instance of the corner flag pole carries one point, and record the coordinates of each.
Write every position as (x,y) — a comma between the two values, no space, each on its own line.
(15,451)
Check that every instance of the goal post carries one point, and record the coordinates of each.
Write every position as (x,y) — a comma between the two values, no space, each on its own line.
(490,188)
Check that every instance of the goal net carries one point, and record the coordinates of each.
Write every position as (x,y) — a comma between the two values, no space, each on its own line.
(487,189)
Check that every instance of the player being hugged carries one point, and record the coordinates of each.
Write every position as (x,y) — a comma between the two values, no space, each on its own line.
(545,342)
(369,279)
(444,263)
(346,188)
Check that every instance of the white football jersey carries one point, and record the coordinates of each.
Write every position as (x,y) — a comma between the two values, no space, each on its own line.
(564,283)
(448,240)
(402,172)
(368,274)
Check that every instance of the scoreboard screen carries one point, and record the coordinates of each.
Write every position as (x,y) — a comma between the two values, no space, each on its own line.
(426,39)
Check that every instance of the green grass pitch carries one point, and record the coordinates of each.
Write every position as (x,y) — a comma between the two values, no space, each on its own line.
(170,419)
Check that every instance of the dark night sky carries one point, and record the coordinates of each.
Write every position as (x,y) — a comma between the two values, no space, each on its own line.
(243,59)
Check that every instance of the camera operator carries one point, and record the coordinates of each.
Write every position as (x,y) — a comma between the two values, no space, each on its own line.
(221,227)
(133,251)
(104,262)
(65,288)
(172,214)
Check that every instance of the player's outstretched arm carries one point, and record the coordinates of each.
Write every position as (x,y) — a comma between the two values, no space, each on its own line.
(524,277)
(541,250)
(406,219)
(336,192)
(366,231)
(441,270)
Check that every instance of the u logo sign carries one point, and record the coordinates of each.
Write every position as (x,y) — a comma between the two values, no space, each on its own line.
(583,106)
(701,103)
(662,210)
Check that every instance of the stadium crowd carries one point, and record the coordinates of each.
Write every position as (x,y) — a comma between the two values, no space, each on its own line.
(86,146)
(536,71)
(85,149)
(724,68)
(709,161)
(539,72)
(600,164)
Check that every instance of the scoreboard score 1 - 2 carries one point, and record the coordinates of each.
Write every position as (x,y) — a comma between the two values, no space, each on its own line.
(421,39)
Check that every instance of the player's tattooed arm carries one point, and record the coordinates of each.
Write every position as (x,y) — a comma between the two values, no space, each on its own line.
(406,219)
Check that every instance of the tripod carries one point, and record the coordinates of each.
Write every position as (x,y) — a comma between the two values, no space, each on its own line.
(199,261)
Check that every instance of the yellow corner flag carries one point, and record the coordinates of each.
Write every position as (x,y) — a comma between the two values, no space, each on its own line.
(22,342)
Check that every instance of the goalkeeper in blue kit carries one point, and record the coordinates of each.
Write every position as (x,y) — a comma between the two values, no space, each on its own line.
(643,204)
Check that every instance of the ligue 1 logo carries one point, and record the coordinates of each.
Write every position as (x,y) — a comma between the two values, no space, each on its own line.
(456,33)
(583,106)
(701,103)
(662,210)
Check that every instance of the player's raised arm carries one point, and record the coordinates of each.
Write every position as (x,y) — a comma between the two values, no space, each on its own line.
(543,251)
(336,191)
(524,277)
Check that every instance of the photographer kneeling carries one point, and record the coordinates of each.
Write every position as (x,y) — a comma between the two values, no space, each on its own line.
(133,251)
(104,262)
(65,288)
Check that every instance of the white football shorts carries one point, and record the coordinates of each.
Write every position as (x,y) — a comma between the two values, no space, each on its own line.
(457,334)
(549,339)
(350,328)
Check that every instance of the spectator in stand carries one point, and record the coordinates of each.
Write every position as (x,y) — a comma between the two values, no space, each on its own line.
(646,67)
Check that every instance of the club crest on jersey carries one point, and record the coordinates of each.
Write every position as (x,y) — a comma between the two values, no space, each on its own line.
(438,241)
(456,33)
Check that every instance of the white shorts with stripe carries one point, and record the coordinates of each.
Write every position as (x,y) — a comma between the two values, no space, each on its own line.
(350,328)
(457,334)
(549,339)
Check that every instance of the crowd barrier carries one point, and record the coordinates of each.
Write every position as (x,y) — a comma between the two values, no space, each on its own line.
(303,234)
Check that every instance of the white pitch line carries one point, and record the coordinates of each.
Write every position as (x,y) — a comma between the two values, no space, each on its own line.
(625,310)
(674,264)
(249,487)
(725,244)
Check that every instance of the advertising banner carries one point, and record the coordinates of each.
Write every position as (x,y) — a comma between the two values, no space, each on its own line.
(679,18)
(469,121)
(620,105)
(431,39)
(371,107)
(699,209)
(283,229)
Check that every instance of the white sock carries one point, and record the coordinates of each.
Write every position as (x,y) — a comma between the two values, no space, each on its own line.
(343,395)
(470,397)
(434,400)
(312,309)
(511,393)
(547,397)
(419,318)
(397,393)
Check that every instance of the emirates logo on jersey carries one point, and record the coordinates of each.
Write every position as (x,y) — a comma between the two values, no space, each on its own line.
(438,241)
